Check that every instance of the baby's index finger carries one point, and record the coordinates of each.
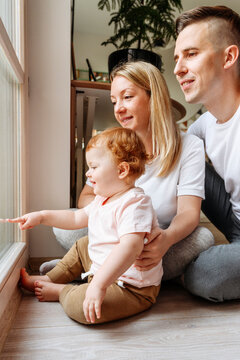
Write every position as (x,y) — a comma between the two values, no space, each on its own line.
(16,220)
(3,220)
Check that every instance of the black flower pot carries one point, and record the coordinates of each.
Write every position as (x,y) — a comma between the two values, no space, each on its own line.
(122,56)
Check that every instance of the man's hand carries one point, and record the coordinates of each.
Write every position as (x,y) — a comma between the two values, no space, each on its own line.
(153,251)
(93,301)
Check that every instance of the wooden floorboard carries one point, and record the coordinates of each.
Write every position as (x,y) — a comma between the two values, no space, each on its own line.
(179,326)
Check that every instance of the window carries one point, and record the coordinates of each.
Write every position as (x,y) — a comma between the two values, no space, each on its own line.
(11,112)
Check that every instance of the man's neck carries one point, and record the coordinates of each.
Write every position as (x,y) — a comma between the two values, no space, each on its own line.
(227,115)
(224,108)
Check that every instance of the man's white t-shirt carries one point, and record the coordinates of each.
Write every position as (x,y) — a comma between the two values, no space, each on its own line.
(222,146)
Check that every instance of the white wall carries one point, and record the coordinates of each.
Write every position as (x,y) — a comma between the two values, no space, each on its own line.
(49,25)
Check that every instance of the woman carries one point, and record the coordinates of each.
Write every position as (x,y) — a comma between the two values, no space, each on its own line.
(175,177)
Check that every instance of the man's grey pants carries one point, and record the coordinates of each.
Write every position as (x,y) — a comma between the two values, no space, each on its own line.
(215,273)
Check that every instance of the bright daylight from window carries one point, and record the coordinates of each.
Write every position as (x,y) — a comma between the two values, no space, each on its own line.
(9,122)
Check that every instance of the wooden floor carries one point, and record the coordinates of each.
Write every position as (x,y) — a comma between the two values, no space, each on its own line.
(178,327)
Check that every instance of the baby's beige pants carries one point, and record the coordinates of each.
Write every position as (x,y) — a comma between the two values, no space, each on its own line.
(119,302)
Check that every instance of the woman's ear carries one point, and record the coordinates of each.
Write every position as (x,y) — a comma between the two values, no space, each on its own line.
(231,56)
(123,170)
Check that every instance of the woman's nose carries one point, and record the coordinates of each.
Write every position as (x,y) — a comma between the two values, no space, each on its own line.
(119,107)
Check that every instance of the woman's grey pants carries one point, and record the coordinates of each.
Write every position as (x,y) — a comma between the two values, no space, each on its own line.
(215,274)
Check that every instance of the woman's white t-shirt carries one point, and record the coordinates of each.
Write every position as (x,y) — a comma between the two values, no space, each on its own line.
(187,178)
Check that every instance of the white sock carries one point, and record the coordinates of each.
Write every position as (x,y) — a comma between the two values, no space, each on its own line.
(47,266)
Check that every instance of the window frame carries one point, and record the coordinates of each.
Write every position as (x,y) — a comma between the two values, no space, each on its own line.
(17,254)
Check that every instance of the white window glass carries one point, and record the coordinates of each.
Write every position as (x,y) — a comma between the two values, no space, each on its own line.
(9,125)
(9,12)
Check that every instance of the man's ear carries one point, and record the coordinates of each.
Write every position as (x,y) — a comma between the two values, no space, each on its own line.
(123,170)
(231,56)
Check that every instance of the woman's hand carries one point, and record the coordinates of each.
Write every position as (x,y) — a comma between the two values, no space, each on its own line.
(184,222)
(157,246)
(93,302)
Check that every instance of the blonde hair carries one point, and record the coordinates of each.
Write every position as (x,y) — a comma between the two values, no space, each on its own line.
(125,146)
(166,137)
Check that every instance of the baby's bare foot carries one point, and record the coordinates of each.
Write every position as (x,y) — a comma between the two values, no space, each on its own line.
(48,291)
(27,281)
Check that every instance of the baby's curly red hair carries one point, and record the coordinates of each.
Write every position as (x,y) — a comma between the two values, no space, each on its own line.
(125,146)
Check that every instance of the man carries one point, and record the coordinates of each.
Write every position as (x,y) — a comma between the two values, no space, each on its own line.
(208,71)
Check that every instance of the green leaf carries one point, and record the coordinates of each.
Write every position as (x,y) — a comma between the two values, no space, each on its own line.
(147,23)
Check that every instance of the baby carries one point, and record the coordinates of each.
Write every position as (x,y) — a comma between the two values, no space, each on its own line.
(118,221)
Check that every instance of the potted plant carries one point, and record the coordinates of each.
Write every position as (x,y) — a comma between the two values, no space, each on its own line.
(143,24)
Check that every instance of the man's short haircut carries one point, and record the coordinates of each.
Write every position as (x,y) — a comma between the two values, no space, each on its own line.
(125,146)
(225,21)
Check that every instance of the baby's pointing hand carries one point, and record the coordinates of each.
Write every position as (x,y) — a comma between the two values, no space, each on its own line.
(25,222)
(4,220)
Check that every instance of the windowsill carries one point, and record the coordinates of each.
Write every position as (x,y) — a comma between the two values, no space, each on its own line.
(12,261)
(9,261)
